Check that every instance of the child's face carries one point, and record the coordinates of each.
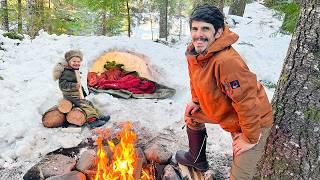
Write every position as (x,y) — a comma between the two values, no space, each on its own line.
(75,62)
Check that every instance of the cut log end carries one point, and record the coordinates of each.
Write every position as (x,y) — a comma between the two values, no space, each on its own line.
(76,116)
(65,106)
(193,174)
(53,118)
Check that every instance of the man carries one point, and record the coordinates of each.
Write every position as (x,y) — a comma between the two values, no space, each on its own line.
(225,92)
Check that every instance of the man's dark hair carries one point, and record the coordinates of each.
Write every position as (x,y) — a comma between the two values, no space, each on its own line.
(209,14)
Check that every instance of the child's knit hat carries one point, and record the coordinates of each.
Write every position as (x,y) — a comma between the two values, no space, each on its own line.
(73,53)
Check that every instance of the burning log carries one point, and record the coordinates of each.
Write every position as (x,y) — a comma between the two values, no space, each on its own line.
(76,116)
(138,164)
(53,118)
(126,162)
(65,106)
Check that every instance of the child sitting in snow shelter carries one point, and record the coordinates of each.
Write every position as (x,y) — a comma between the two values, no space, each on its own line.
(68,84)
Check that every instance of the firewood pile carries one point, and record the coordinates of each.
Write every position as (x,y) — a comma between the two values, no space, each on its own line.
(57,115)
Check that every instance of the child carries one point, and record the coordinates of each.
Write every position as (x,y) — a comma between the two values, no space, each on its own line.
(69,86)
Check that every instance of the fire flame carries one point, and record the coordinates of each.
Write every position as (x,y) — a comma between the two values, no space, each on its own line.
(121,166)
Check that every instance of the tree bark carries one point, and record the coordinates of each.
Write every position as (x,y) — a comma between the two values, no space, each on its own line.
(151,27)
(19,17)
(42,14)
(103,23)
(218,3)
(293,150)
(128,17)
(50,26)
(221,5)
(31,19)
(237,7)
(5,16)
(163,20)
(166,19)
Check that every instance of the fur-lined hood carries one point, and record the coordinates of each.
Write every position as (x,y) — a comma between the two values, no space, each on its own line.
(58,69)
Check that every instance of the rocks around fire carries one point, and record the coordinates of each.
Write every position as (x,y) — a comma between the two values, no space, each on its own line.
(86,160)
(73,175)
(157,153)
(51,165)
(156,148)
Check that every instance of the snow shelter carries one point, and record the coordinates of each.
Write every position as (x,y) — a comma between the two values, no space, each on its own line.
(125,74)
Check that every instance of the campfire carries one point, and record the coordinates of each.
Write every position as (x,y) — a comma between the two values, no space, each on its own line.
(126,151)
(122,161)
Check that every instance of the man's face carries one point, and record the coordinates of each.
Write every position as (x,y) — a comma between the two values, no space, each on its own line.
(203,35)
(75,62)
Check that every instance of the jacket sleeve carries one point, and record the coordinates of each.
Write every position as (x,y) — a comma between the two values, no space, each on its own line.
(240,85)
(193,93)
(66,84)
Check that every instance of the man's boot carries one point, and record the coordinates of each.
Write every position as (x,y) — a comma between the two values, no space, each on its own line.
(196,156)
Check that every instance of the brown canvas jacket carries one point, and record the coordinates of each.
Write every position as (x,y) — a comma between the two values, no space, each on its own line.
(227,91)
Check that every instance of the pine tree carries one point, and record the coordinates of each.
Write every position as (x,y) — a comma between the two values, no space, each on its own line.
(292,150)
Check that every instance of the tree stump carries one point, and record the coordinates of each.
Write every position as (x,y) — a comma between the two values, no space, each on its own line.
(65,106)
(53,118)
(76,116)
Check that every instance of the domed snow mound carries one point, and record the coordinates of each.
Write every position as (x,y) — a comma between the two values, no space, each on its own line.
(125,74)
(132,62)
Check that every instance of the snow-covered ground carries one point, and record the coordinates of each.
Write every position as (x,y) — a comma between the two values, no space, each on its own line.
(28,90)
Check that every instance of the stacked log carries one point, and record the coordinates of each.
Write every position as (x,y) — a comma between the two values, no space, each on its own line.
(65,106)
(53,118)
(64,111)
(76,116)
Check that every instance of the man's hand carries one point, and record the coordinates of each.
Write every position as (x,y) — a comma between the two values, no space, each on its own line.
(190,122)
(191,108)
(239,145)
(78,85)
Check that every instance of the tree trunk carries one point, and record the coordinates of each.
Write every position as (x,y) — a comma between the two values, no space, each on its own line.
(292,150)
(19,17)
(5,16)
(128,17)
(151,27)
(237,7)
(31,19)
(163,20)
(221,5)
(166,19)
(103,23)
(49,25)
(180,28)
(42,16)
(217,3)
(179,9)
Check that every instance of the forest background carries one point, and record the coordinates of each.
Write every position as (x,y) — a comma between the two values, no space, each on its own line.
(165,18)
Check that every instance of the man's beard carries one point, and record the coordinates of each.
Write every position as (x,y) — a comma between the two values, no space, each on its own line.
(200,49)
